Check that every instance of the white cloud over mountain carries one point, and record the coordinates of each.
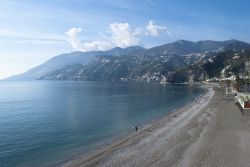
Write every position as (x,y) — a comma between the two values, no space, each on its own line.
(85,46)
(123,35)
(96,45)
(119,34)
(73,39)
(155,30)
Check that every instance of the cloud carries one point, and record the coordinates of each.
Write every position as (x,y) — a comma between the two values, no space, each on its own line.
(96,45)
(118,34)
(85,46)
(123,35)
(31,41)
(9,33)
(9,36)
(73,39)
(155,30)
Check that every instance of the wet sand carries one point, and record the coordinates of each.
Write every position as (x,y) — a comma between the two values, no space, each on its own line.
(211,131)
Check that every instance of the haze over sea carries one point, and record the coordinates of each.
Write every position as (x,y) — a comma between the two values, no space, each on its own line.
(44,123)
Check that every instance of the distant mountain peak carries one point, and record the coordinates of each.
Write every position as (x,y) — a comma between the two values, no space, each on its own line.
(118,51)
(233,40)
(183,41)
(127,48)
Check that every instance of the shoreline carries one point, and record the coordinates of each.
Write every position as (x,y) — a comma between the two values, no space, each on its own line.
(178,117)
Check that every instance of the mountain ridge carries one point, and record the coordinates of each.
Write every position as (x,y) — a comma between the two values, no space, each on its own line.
(131,58)
(63,60)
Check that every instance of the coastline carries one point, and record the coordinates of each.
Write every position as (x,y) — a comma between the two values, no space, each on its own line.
(170,123)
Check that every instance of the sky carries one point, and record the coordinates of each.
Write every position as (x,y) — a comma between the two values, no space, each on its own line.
(33,31)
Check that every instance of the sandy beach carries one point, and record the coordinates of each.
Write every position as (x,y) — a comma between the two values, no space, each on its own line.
(211,131)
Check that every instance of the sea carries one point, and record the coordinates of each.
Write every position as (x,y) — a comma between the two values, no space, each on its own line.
(47,123)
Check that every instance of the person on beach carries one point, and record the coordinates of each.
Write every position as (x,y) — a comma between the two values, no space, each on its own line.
(135,128)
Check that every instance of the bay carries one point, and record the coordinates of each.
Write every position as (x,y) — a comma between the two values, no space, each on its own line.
(45,123)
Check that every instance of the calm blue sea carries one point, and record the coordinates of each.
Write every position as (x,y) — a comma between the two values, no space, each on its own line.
(44,123)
